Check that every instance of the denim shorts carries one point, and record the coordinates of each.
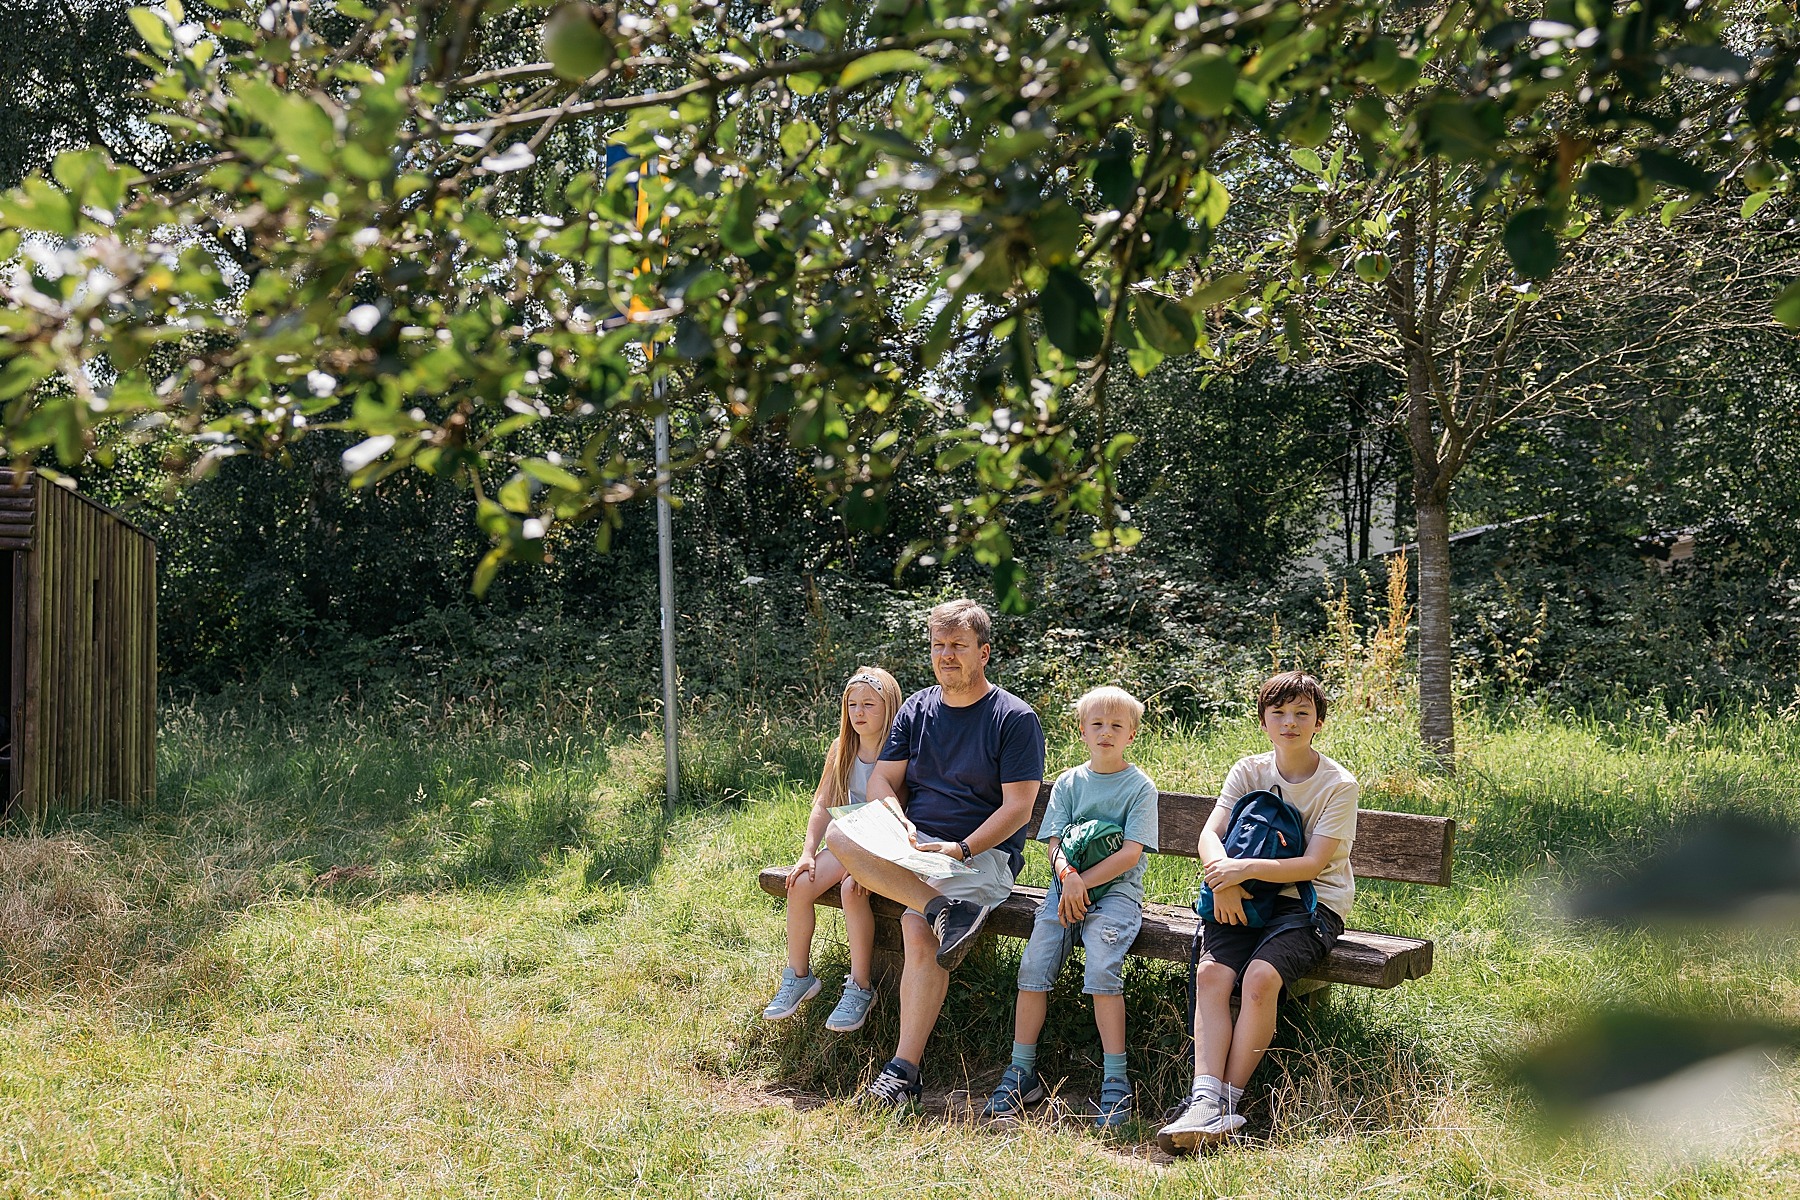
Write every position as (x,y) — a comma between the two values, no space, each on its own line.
(1106,933)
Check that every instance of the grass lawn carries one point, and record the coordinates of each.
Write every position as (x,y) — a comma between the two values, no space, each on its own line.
(349,956)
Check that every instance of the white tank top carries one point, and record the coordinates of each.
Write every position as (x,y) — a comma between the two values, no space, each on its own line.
(859,780)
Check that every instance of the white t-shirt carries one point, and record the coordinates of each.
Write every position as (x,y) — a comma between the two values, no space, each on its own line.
(1326,800)
(859,780)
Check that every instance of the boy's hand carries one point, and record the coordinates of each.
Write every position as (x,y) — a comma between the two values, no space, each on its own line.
(807,865)
(1073,906)
(1228,905)
(1224,872)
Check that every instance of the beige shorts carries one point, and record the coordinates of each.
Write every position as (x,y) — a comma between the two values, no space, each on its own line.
(991,883)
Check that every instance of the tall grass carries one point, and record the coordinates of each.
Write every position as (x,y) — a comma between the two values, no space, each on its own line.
(353,953)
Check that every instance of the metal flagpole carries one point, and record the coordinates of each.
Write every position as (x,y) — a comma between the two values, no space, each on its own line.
(665,523)
(665,573)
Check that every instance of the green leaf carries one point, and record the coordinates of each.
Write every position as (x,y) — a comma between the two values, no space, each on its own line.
(486,570)
(1308,160)
(153,27)
(882,62)
(1205,82)
(738,231)
(1210,200)
(1531,243)
(1216,291)
(548,473)
(1071,314)
(1114,177)
(1787,306)
(1056,230)
(515,494)
(1752,203)
(305,131)
(1676,172)
(1615,187)
(1163,323)
(37,205)
(1461,130)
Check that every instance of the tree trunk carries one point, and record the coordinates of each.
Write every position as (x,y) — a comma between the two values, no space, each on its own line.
(1437,716)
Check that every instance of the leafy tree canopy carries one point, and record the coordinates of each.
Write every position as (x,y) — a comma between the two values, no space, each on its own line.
(886,231)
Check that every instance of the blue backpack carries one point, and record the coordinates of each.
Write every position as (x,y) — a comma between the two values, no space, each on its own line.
(1263,825)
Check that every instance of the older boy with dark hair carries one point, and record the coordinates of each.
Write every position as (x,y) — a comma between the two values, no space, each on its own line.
(1259,962)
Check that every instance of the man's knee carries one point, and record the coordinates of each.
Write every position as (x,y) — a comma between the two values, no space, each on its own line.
(921,944)
(1262,983)
(836,842)
(1211,978)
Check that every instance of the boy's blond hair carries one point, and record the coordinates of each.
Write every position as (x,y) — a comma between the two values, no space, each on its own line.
(1109,699)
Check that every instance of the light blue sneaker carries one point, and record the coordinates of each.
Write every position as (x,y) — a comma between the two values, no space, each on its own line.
(794,991)
(852,1009)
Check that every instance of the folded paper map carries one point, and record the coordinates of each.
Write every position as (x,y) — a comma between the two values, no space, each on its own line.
(876,829)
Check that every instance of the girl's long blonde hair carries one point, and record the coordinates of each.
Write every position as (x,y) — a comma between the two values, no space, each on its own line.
(840,760)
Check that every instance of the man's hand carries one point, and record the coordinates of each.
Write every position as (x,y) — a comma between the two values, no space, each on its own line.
(807,865)
(1224,871)
(1228,905)
(1073,906)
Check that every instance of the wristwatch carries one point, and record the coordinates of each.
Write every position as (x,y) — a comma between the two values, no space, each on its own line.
(965,850)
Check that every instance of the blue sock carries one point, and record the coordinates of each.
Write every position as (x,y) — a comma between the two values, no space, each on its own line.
(908,1069)
(1112,1066)
(1025,1057)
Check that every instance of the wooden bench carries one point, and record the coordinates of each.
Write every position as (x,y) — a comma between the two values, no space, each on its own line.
(1404,847)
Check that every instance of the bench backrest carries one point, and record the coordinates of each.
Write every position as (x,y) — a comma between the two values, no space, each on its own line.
(1405,847)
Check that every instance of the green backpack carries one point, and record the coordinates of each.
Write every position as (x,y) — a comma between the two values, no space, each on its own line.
(1085,843)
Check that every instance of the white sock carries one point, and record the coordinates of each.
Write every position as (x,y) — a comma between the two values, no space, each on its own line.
(1207,1085)
(1231,1096)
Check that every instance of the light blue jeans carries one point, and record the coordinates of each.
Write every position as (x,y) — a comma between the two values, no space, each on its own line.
(1106,933)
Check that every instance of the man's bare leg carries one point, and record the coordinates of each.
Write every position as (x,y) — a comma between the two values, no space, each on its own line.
(879,875)
(923,986)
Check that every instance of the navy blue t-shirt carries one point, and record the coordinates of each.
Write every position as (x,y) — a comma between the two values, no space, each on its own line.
(957,758)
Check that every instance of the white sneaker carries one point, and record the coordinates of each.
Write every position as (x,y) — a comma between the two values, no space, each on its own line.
(1202,1122)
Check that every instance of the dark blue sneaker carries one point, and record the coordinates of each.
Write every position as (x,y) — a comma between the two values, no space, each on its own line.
(892,1089)
(956,923)
(1116,1104)
(1017,1088)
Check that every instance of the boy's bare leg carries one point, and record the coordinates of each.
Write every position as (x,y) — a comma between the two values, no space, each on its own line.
(879,875)
(1109,1018)
(801,920)
(1213,1034)
(859,931)
(1256,1022)
(923,986)
(1028,1017)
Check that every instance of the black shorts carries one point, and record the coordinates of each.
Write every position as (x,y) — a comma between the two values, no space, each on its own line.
(1292,952)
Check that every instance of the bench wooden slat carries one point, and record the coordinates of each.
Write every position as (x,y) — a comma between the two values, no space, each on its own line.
(1368,959)
(1404,847)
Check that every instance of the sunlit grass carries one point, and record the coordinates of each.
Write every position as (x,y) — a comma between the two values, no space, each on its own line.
(346,957)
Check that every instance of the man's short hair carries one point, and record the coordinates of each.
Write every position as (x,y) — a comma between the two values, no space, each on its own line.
(1286,688)
(1109,700)
(961,614)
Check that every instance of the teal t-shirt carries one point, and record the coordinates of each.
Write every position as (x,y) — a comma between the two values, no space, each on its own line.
(1127,798)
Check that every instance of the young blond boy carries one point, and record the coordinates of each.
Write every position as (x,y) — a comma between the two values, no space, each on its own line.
(1237,957)
(1105,788)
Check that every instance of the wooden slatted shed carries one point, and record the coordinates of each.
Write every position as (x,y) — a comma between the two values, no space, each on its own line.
(79,581)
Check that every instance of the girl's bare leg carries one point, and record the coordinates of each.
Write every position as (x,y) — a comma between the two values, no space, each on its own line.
(800,919)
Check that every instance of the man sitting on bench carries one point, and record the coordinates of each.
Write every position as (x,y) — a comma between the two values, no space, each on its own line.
(971,756)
